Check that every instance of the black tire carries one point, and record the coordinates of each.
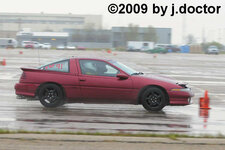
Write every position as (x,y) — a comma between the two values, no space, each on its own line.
(153,99)
(51,95)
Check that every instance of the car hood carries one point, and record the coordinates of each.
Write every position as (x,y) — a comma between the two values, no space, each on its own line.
(161,78)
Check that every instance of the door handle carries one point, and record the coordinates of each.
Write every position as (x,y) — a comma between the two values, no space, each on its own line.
(82,79)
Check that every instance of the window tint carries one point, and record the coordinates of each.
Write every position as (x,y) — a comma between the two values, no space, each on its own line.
(98,68)
(60,66)
(123,67)
(145,44)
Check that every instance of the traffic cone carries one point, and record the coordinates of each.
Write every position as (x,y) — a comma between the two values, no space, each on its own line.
(3,62)
(204,101)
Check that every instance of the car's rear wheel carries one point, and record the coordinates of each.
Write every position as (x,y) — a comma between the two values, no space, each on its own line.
(153,99)
(51,95)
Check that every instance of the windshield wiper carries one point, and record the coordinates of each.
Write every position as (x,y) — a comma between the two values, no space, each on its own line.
(137,73)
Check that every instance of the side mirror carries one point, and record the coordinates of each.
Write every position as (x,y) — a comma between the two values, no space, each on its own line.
(122,76)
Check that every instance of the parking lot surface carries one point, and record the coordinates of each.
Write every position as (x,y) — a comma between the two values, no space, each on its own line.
(201,71)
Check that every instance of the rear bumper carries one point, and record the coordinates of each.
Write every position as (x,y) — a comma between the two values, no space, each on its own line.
(180,97)
(26,89)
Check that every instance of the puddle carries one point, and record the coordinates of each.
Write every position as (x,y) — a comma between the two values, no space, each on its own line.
(116,118)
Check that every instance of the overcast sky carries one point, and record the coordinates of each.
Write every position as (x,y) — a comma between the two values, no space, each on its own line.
(214,25)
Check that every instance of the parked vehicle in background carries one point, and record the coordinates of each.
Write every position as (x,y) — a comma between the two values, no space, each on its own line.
(8,43)
(212,50)
(139,45)
(158,50)
(81,48)
(173,48)
(40,45)
(46,46)
(28,44)
(23,43)
(169,47)
(60,47)
(36,44)
(70,47)
(86,80)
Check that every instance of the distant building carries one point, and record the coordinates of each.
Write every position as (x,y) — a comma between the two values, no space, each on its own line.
(83,35)
(54,38)
(118,35)
(114,37)
(92,38)
(11,23)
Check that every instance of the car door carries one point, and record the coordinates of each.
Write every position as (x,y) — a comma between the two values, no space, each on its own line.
(99,84)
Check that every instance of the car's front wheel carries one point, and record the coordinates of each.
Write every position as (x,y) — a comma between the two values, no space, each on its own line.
(153,99)
(51,95)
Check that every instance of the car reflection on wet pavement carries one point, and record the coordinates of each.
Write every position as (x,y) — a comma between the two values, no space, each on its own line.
(110,118)
(30,115)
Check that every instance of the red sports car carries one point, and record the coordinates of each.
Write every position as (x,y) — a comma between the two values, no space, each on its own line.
(85,80)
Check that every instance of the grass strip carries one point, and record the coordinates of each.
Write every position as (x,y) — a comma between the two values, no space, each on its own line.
(173,136)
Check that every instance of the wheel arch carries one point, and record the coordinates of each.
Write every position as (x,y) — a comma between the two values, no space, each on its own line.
(149,86)
(42,84)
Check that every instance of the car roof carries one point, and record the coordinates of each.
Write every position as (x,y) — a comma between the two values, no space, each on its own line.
(80,58)
(77,58)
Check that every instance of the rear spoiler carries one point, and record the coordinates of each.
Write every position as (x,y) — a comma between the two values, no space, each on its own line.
(30,69)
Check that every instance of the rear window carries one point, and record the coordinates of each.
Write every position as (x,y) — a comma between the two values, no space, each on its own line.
(59,66)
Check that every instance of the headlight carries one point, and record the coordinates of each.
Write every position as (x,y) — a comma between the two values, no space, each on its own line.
(184,90)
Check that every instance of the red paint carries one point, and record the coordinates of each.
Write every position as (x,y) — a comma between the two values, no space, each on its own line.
(98,89)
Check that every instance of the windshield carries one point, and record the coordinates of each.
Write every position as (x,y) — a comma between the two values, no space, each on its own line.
(212,47)
(27,42)
(123,67)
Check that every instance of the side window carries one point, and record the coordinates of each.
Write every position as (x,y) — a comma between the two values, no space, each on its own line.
(111,70)
(60,66)
(98,68)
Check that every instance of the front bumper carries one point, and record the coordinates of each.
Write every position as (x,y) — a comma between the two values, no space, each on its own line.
(213,52)
(181,97)
(26,89)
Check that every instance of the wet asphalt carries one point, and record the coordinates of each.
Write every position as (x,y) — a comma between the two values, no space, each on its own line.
(201,71)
